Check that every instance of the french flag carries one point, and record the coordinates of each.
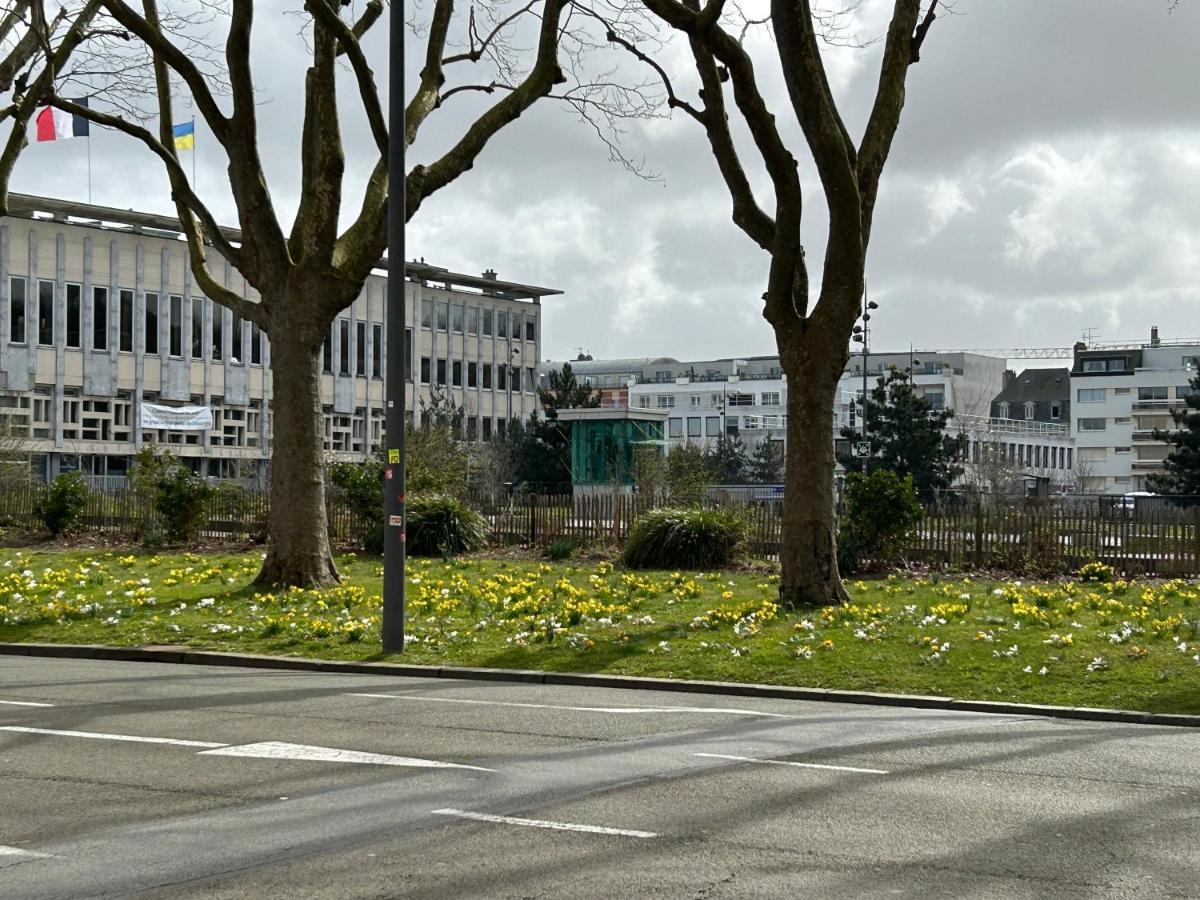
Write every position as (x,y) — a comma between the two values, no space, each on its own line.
(54,124)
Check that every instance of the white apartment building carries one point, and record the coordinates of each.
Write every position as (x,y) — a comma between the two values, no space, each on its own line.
(101,321)
(1119,396)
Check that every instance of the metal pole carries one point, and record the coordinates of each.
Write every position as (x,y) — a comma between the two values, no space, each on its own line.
(866,335)
(392,627)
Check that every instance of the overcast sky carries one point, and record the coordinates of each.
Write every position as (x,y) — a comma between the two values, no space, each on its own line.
(1045,180)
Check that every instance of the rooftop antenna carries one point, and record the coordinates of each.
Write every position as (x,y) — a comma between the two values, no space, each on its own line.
(1090,335)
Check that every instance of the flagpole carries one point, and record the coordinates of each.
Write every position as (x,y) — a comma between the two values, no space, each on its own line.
(195,187)
(89,146)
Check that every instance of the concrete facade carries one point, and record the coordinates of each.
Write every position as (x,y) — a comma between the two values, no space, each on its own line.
(100,315)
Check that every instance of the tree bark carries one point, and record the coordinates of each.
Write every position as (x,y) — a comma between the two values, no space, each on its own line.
(808,553)
(298,553)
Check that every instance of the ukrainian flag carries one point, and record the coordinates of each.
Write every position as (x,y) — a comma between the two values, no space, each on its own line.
(185,135)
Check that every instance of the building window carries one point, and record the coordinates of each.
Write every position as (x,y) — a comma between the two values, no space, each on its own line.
(237,351)
(1030,409)
(1056,410)
(442,316)
(675,428)
(441,372)
(456,373)
(693,426)
(1152,393)
(16,314)
(937,400)
(255,345)
(377,350)
(736,399)
(218,325)
(472,429)
(502,377)
(472,374)
(666,401)
(531,375)
(456,319)
(485,316)
(695,400)
(487,429)
(1122,420)
(487,376)
(426,313)
(327,357)
(74,316)
(1002,410)
(46,313)
(151,323)
(712,426)
(1122,449)
(424,370)
(197,328)
(360,349)
(502,323)
(343,347)
(99,318)
(1092,424)
(530,328)
(771,398)
(1091,395)
(125,299)
(176,347)
(1183,391)
(472,320)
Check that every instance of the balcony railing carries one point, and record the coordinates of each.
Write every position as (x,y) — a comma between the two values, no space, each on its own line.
(976,424)
(1147,465)
(1156,405)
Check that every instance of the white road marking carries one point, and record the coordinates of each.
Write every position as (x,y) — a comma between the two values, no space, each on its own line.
(175,742)
(798,765)
(22,703)
(541,823)
(11,856)
(616,710)
(283,750)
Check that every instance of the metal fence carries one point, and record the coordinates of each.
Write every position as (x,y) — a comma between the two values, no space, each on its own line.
(1136,535)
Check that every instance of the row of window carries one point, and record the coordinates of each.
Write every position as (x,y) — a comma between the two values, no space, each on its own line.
(478,320)
(1032,455)
(1030,409)
(443,373)
(341,332)
(667,401)
(170,307)
(1157,392)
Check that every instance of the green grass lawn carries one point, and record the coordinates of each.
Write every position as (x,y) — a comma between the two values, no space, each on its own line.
(1119,644)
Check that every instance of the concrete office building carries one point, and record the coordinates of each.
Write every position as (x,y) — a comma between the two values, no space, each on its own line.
(101,323)
(1120,395)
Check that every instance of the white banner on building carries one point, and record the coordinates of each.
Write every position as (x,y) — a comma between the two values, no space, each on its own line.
(177,418)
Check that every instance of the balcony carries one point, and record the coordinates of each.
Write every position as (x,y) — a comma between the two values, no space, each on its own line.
(1157,405)
(1147,465)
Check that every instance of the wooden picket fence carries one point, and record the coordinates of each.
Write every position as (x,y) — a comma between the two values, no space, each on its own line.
(1153,537)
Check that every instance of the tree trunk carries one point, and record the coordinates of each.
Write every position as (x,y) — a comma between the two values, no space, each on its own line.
(808,553)
(298,542)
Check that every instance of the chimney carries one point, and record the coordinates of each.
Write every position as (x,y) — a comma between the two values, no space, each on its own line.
(490,274)
(1154,341)
(1009,377)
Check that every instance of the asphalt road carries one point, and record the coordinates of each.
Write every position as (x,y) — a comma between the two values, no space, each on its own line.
(140,779)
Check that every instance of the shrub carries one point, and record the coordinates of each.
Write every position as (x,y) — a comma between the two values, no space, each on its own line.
(179,499)
(361,486)
(879,521)
(1095,571)
(438,525)
(685,538)
(60,507)
(563,548)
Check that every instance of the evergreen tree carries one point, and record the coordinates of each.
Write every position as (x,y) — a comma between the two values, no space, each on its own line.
(1182,475)
(566,392)
(766,463)
(907,436)
(543,445)
(727,460)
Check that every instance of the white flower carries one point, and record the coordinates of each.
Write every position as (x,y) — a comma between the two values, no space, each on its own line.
(664,646)
(999,592)
(1043,670)
(964,596)
(207,601)
(1098,664)
(1028,669)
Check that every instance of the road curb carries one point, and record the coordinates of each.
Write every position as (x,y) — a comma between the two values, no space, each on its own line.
(631,682)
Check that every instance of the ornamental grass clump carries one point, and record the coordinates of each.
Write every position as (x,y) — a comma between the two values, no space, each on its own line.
(439,525)
(685,538)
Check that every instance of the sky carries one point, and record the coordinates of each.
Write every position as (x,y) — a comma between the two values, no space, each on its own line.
(1045,180)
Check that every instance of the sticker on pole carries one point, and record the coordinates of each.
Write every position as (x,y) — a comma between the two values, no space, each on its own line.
(393,456)
(396,520)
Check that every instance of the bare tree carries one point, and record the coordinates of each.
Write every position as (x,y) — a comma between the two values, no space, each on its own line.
(306,274)
(812,337)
